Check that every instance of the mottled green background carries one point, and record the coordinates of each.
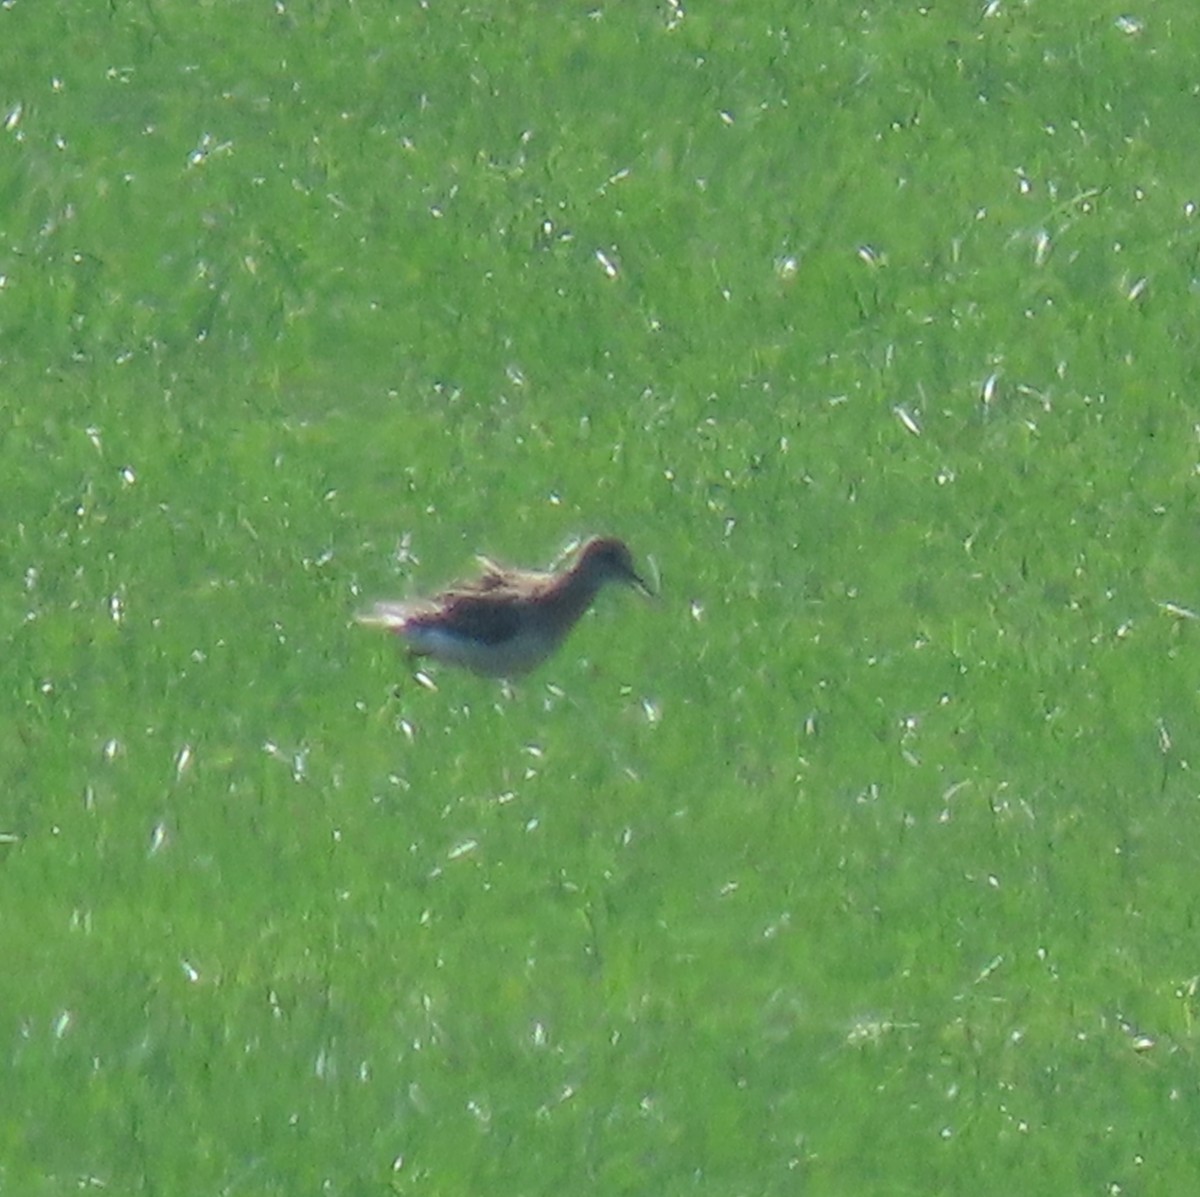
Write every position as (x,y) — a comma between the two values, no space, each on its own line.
(864,861)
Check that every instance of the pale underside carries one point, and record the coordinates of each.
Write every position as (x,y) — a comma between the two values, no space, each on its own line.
(516,655)
(496,641)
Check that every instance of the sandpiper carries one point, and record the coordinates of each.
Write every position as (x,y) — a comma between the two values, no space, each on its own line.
(507,621)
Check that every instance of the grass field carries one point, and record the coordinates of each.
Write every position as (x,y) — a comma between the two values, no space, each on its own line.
(864,861)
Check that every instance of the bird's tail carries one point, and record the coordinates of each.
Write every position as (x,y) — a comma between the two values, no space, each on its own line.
(393,616)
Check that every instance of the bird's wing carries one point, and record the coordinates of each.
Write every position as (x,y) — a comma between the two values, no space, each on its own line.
(488,617)
(498,580)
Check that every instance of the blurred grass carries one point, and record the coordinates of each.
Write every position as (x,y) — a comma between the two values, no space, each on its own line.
(864,860)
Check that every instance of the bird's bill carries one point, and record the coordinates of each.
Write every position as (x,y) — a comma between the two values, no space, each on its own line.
(640,584)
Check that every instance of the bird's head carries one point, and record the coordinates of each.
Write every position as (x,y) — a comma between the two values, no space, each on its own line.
(608,559)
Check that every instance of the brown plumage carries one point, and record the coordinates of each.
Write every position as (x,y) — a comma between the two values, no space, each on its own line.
(507,621)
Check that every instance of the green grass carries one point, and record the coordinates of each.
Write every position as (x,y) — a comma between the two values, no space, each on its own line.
(864,861)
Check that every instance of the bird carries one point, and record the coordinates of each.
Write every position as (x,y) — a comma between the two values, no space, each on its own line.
(507,621)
